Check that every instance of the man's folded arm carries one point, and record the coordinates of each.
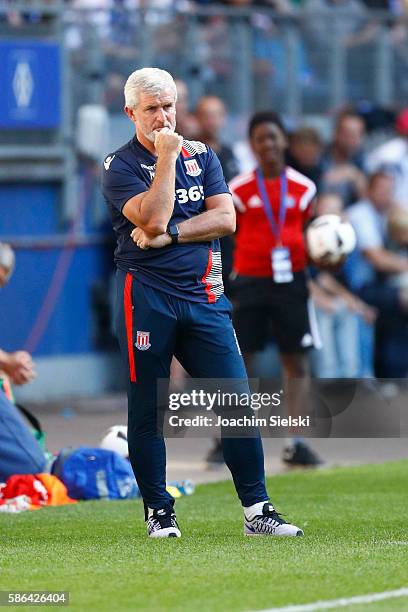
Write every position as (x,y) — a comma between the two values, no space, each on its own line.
(217,221)
(152,209)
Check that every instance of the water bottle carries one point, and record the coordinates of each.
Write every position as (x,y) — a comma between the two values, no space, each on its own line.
(186,487)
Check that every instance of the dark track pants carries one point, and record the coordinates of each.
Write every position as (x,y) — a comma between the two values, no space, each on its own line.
(202,338)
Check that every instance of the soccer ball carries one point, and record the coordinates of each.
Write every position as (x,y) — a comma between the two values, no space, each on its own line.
(329,239)
(115,439)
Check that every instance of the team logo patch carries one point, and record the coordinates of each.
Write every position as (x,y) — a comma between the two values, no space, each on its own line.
(192,167)
(255,202)
(108,162)
(142,341)
(306,341)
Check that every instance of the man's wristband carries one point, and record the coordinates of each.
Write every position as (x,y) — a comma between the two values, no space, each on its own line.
(173,232)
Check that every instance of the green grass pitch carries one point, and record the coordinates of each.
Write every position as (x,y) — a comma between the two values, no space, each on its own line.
(356,542)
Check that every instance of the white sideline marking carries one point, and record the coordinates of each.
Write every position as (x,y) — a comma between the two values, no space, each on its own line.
(344,601)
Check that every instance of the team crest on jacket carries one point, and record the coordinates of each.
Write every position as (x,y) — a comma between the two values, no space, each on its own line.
(142,341)
(192,167)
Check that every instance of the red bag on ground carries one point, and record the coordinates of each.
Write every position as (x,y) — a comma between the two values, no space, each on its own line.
(41,489)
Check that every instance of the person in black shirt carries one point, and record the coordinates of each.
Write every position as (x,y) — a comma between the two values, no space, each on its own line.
(305,153)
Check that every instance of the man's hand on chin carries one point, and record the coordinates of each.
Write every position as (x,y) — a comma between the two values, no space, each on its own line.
(167,142)
(145,241)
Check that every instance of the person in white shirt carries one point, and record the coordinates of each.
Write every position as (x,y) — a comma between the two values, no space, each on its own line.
(374,264)
(392,158)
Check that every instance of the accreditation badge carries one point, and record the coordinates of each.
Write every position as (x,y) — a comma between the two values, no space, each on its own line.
(281,265)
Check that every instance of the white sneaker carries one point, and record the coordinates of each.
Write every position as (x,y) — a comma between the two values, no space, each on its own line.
(162,524)
(263,520)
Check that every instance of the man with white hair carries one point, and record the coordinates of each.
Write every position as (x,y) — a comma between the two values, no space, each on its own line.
(18,366)
(7,263)
(169,205)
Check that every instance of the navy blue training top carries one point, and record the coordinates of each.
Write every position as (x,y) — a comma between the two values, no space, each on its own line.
(193,270)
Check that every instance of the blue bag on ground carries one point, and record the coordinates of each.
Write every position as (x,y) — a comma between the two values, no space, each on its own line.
(95,473)
(20,452)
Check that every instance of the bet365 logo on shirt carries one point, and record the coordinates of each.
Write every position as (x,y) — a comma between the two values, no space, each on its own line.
(194,194)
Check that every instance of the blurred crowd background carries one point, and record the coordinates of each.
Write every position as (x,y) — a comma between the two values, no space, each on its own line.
(336,71)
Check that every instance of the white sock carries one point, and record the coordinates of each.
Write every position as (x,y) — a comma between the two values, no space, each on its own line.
(255,509)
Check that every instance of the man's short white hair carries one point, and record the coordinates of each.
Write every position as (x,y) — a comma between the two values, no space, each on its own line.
(7,258)
(148,80)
